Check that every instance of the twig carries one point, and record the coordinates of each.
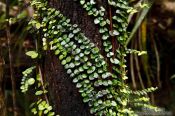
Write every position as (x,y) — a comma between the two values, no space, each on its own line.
(42,83)
(10,60)
(138,71)
(138,67)
(132,68)
(113,39)
(37,45)
(157,60)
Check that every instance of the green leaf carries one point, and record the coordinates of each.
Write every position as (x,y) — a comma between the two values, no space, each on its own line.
(103,30)
(61,57)
(110,54)
(38,25)
(77,58)
(75,80)
(34,111)
(96,21)
(100,70)
(95,75)
(71,35)
(86,52)
(85,66)
(41,107)
(105,83)
(57,12)
(92,2)
(77,50)
(46,111)
(63,43)
(81,54)
(57,52)
(86,99)
(72,65)
(39,92)
(105,75)
(95,50)
(81,69)
(102,23)
(69,71)
(173,77)
(115,61)
(111,2)
(86,81)
(68,59)
(109,82)
(52,114)
(142,53)
(93,110)
(105,37)
(49,108)
(76,30)
(90,12)
(79,85)
(113,103)
(55,32)
(100,82)
(76,71)
(63,62)
(32,54)
(91,69)
(31,81)
(114,33)
(84,76)
(82,2)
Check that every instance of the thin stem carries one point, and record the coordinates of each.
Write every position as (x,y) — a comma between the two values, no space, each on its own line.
(157,59)
(138,71)
(138,66)
(10,60)
(42,83)
(142,46)
(132,68)
(113,40)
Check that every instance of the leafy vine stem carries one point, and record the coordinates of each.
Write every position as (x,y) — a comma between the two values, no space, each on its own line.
(103,88)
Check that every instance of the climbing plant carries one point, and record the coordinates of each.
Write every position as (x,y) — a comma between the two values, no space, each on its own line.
(41,105)
(100,79)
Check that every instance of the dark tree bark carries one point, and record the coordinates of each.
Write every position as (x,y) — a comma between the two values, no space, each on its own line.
(62,92)
(2,98)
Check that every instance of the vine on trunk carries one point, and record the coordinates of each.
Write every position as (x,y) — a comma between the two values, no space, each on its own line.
(100,79)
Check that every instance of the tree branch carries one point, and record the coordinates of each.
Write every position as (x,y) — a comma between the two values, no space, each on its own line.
(10,59)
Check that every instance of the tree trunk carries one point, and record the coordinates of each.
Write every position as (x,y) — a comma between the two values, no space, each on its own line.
(62,92)
(2,99)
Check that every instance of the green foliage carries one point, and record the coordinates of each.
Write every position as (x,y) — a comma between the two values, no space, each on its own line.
(32,54)
(41,106)
(139,53)
(173,76)
(144,91)
(104,90)
(139,20)
(27,80)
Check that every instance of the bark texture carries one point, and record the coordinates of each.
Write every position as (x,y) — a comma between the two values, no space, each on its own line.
(2,99)
(63,93)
